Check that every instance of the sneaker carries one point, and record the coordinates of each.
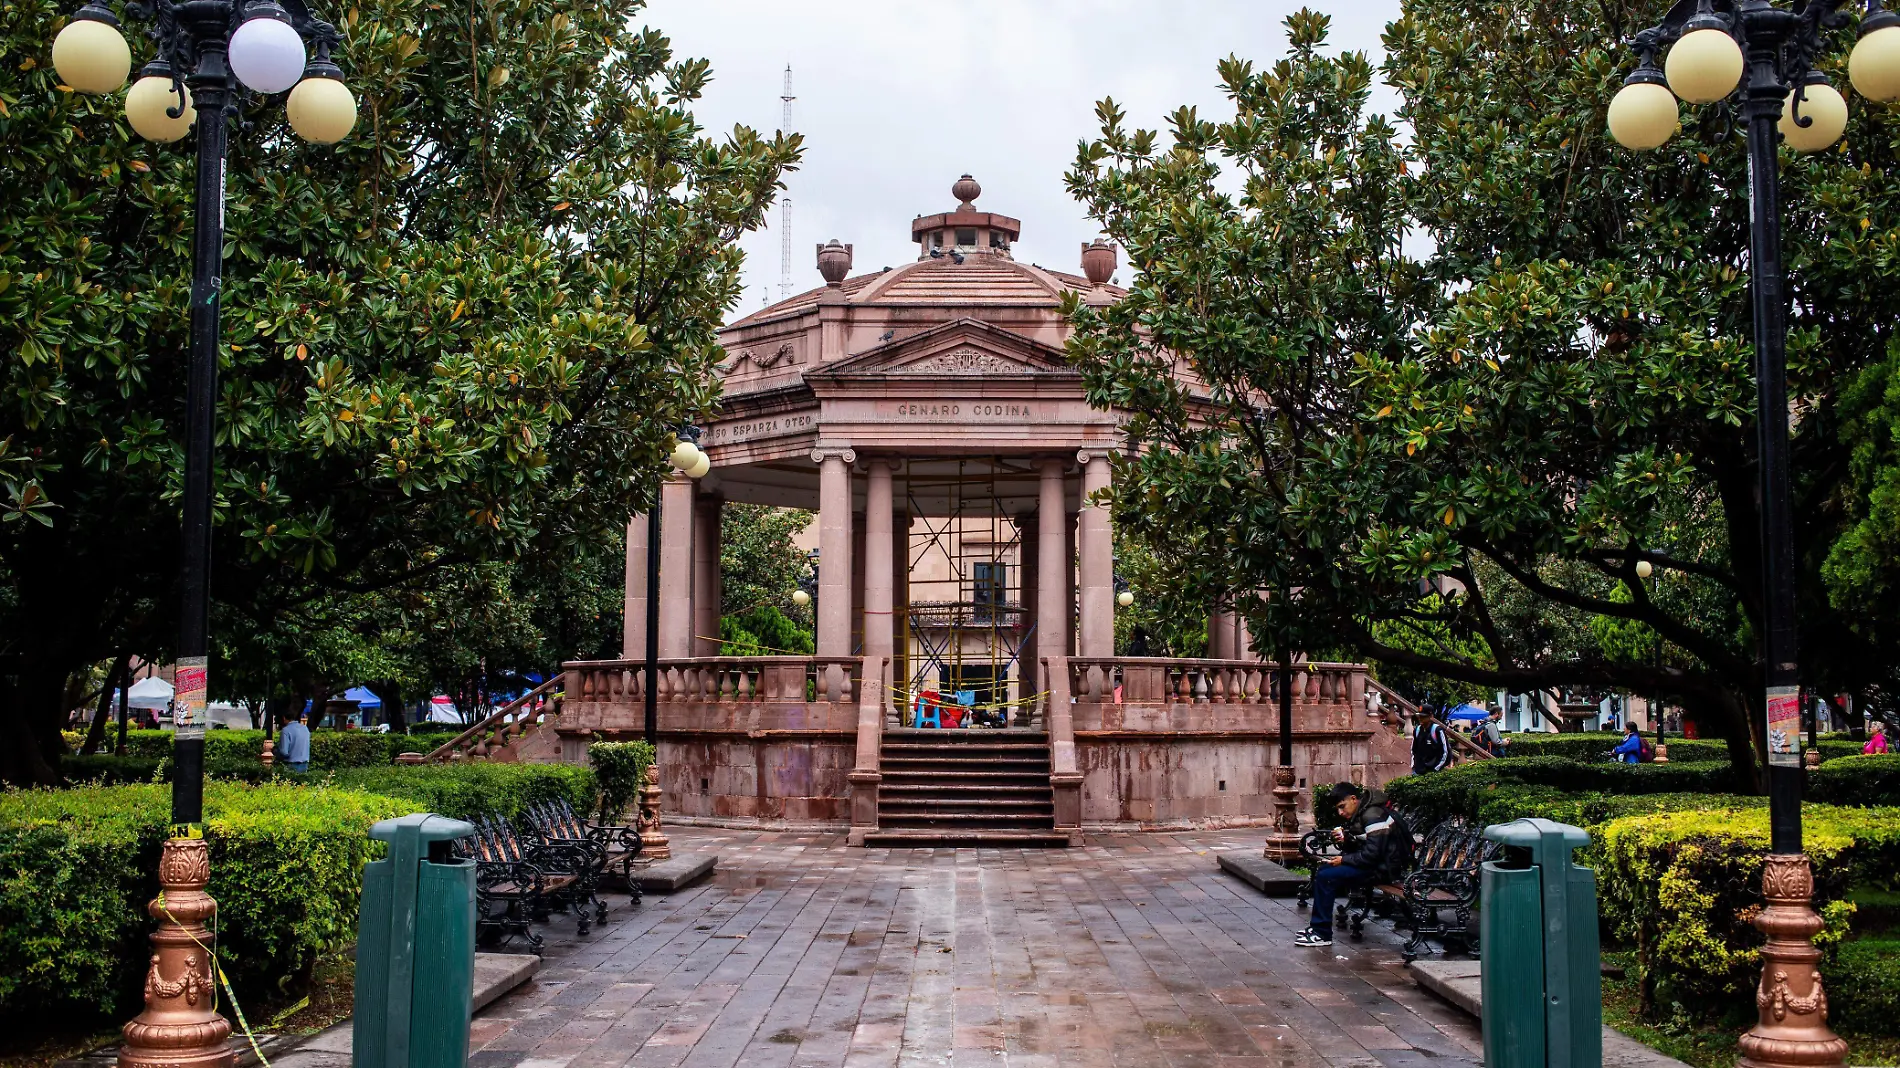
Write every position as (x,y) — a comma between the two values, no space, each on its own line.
(1312,939)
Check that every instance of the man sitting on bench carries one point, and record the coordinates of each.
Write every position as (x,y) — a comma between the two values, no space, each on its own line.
(1366,852)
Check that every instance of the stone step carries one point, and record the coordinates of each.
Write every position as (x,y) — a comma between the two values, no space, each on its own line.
(907,759)
(916,806)
(1001,791)
(971,751)
(975,776)
(923,838)
(1027,820)
(974,734)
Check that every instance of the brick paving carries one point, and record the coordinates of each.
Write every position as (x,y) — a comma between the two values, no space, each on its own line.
(1127,950)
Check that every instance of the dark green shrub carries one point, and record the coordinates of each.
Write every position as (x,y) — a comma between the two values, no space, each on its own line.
(1836,748)
(1590,746)
(466,791)
(1590,809)
(420,742)
(1426,799)
(104,769)
(77,867)
(1863,977)
(1857,780)
(350,749)
(1682,886)
(620,768)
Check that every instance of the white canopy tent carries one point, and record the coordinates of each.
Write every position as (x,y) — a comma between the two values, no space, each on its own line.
(150,693)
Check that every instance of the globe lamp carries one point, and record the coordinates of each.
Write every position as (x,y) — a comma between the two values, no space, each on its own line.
(1821,103)
(266,53)
(1874,65)
(801,598)
(1705,65)
(321,108)
(700,467)
(1643,114)
(90,54)
(1644,569)
(1125,598)
(149,104)
(685,454)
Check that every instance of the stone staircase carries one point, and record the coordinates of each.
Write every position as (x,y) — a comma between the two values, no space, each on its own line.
(965,788)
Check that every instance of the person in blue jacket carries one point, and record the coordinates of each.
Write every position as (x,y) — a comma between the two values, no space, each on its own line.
(1630,750)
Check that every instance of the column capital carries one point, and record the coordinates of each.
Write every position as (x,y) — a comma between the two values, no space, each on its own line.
(1088,456)
(843,452)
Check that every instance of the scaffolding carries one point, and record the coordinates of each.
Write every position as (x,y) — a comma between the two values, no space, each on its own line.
(963,626)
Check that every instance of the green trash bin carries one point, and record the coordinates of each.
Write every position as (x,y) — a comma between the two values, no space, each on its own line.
(415,948)
(1541,964)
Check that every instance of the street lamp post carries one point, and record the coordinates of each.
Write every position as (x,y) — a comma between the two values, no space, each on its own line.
(1764,55)
(208,53)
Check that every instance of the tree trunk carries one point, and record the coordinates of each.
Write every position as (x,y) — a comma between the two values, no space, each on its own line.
(390,695)
(115,680)
(1728,716)
(31,716)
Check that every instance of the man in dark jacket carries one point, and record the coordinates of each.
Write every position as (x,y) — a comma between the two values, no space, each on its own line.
(1367,853)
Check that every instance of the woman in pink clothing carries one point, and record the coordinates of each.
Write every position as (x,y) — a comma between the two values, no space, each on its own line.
(1878,743)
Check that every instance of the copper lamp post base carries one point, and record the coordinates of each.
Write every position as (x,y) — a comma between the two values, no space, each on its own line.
(1283,843)
(653,843)
(1793,1027)
(179,1027)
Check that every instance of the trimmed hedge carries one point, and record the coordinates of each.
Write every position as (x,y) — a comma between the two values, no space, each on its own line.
(1461,791)
(1590,746)
(620,768)
(1857,780)
(237,753)
(1864,975)
(1681,887)
(78,866)
(465,791)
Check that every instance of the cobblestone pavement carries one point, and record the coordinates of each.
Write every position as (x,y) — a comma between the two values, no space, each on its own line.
(1128,950)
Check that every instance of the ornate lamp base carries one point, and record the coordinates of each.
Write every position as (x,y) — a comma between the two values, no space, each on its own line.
(1283,843)
(179,1028)
(653,843)
(1793,1027)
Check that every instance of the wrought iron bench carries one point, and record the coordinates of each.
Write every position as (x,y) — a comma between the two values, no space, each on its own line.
(1433,899)
(617,846)
(524,879)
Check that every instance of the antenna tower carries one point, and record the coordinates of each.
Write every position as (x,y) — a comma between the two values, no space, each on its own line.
(785,201)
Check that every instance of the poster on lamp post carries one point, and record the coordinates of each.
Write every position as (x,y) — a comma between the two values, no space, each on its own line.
(1784,726)
(188,697)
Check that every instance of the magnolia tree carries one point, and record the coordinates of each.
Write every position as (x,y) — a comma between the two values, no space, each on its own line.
(1436,395)
(465,334)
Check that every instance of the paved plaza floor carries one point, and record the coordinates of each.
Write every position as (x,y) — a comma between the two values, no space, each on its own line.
(1126,950)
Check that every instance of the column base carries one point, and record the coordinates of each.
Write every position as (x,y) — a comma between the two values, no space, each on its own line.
(1283,842)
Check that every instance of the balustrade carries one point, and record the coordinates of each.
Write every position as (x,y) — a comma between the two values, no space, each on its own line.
(722,679)
(1170,680)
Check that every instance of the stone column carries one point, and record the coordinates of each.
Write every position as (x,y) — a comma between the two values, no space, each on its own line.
(1052,564)
(633,626)
(900,592)
(879,633)
(834,550)
(706,515)
(1028,547)
(1220,634)
(676,567)
(1097,563)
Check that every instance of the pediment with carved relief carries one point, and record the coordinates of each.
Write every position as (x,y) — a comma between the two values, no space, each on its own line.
(964,348)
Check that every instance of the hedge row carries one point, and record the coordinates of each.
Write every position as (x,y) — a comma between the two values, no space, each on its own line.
(1857,780)
(1591,745)
(1463,790)
(78,865)
(1682,886)
(238,754)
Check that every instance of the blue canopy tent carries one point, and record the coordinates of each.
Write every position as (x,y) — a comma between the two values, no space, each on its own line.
(362,697)
(1467,712)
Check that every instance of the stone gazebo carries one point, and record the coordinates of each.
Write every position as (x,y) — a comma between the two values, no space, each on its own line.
(927,416)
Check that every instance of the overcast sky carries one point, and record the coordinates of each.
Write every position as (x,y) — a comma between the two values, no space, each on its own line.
(896,98)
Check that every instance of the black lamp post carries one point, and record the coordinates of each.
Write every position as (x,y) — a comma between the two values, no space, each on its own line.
(209,52)
(1760,58)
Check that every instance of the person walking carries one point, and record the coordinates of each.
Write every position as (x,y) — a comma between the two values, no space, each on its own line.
(1878,743)
(1431,749)
(1491,737)
(293,744)
(1630,749)
(1374,842)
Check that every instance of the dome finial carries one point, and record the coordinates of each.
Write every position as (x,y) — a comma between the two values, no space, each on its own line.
(966,190)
